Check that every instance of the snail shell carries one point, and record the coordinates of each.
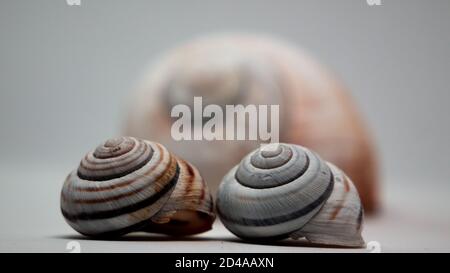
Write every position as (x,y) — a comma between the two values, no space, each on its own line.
(283,190)
(128,184)
(316,109)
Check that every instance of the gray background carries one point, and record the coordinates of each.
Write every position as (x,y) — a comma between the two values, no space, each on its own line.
(66,73)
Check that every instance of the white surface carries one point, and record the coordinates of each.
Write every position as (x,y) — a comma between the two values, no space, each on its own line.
(413,219)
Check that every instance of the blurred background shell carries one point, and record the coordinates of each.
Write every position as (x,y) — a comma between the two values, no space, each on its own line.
(316,111)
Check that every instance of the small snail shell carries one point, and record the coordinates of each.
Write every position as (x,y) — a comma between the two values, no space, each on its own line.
(127,184)
(284,190)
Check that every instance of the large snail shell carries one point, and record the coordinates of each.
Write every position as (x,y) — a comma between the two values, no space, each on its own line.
(284,190)
(127,184)
(316,110)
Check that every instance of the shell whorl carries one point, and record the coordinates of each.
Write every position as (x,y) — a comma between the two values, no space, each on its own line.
(271,166)
(115,158)
(119,186)
(273,192)
(279,189)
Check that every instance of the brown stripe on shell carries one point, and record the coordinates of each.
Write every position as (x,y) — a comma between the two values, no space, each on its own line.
(160,180)
(126,209)
(92,163)
(342,201)
(336,211)
(91,159)
(188,195)
(100,187)
(110,168)
(190,175)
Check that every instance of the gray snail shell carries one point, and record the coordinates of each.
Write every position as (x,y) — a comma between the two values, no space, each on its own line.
(284,190)
(128,184)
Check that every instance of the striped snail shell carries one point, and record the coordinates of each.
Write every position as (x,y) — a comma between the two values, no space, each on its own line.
(283,190)
(128,184)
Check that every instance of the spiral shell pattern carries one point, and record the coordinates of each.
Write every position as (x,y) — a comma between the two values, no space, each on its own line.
(121,185)
(277,190)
